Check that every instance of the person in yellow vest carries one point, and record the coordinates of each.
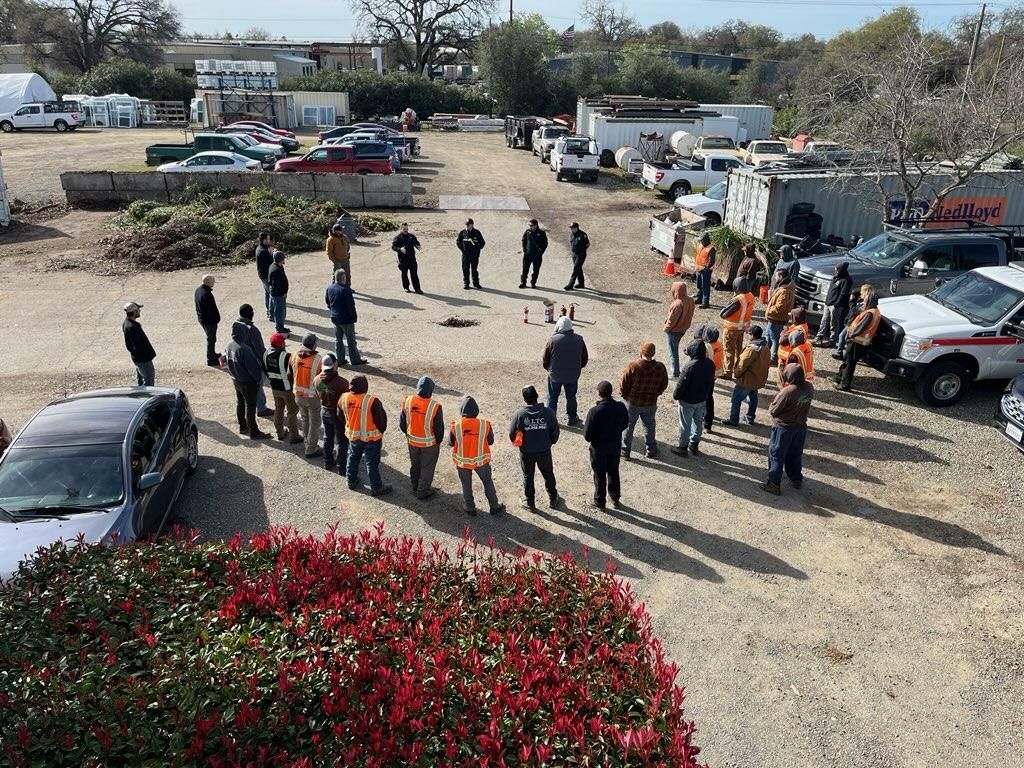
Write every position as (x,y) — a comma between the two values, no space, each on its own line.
(735,322)
(801,352)
(305,366)
(365,424)
(785,348)
(422,423)
(860,333)
(704,263)
(471,439)
(716,354)
(276,364)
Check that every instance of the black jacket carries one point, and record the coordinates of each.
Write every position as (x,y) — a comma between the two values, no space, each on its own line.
(405,246)
(136,342)
(604,424)
(579,243)
(471,243)
(697,378)
(278,281)
(539,426)
(206,306)
(535,243)
(840,287)
(264,261)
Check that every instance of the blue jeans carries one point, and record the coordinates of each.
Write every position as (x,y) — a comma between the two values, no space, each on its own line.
(645,413)
(266,298)
(278,311)
(786,451)
(345,334)
(774,333)
(356,450)
(145,374)
(691,422)
(841,340)
(704,286)
(261,396)
(555,389)
(334,430)
(673,351)
(738,396)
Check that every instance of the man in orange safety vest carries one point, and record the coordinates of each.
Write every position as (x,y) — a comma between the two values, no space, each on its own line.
(422,423)
(471,439)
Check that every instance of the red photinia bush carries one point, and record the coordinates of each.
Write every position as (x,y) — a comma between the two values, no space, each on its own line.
(347,651)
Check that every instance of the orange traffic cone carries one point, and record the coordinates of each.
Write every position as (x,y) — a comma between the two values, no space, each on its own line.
(670,269)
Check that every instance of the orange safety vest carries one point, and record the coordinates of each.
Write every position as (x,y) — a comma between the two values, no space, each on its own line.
(803,355)
(420,413)
(359,423)
(802,326)
(702,258)
(716,354)
(304,370)
(471,449)
(784,352)
(740,319)
(865,338)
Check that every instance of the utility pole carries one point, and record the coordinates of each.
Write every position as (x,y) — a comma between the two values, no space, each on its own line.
(974,52)
(510,10)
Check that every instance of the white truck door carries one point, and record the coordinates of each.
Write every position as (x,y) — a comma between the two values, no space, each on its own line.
(1008,358)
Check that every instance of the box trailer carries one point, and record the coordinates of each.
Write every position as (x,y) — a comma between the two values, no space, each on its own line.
(847,204)
(611,132)
(755,120)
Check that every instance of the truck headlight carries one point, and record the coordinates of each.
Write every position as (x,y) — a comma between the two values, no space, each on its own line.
(913,347)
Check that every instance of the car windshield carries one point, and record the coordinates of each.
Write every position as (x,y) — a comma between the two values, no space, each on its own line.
(716,192)
(884,250)
(770,148)
(67,477)
(550,133)
(719,143)
(247,139)
(979,299)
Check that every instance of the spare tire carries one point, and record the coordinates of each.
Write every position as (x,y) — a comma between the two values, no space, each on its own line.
(800,209)
(607,158)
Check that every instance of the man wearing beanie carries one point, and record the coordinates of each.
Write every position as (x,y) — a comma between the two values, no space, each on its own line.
(365,424)
(642,383)
(330,387)
(246,372)
(277,366)
(305,368)
(535,429)
(254,340)
(603,430)
(277,281)
(470,242)
(471,439)
(422,423)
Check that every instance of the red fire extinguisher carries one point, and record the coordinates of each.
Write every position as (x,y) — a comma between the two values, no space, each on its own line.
(562,313)
(526,315)
(572,311)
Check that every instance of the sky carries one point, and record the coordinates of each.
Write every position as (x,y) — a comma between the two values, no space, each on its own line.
(333,19)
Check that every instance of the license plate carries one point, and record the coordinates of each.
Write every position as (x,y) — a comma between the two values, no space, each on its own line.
(1014,432)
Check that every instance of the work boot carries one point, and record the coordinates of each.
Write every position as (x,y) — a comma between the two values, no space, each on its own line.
(522,285)
(314,454)
(772,488)
(556,503)
(798,484)
(694,450)
(471,512)
(243,429)
(616,504)
(257,435)
(528,505)
(497,510)
(426,494)
(575,423)
(382,491)
(680,450)
(465,287)
(295,439)
(266,413)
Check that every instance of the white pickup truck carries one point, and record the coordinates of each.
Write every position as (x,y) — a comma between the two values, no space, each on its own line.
(41,114)
(544,138)
(684,177)
(969,329)
(575,157)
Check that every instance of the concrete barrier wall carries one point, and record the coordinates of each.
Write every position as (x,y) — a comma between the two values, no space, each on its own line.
(99,188)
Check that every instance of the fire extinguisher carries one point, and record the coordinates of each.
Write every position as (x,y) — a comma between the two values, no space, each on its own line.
(572,311)
(549,313)
(526,315)
(562,313)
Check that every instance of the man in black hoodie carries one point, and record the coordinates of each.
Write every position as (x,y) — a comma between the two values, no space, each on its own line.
(247,374)
(208,316)
(470,242)
(264,261)
(696,382)
(603,430)
(837,303)
(535,242)
(137,343)
(254,340)
(404,245)
(534,430)
(789,412)
(471,439)
(277,279)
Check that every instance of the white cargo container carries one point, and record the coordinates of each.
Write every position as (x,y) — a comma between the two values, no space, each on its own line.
(757,203)
(755,119)
(321,108)
(612,132)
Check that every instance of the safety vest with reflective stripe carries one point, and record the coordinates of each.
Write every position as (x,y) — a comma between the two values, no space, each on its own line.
(803,327)
(784,352)
(803,356)
(471,449)
(865,338)
(275,363)
(700,261)
(304,370)
(715,353)
(359,423)
(420,413)
(739,320)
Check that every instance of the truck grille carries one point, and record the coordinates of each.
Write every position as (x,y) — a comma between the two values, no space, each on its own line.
(1013,408)
(806,287)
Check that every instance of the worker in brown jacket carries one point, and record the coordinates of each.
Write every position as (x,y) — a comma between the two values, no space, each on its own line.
(780,304)
(642,383)
(680,316)
(340,253)
(751,374)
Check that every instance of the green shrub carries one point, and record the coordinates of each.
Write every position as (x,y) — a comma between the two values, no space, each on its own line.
(376,222)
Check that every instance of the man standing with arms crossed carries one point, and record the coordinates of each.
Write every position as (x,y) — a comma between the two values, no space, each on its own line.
(138,346)
(405,245)
(264,261)
(704,263)
(470,242)
(579,242)
(535,242)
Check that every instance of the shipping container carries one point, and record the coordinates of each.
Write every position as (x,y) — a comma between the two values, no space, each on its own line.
(758,202)
(755,119)
(321,108)
(613,133)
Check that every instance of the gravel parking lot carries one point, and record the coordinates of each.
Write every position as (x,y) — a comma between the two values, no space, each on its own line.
(872,619)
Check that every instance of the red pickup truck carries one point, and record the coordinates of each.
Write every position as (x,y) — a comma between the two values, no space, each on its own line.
(334,159)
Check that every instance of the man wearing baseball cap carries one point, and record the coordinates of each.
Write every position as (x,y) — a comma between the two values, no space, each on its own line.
(138,346)
(470,241)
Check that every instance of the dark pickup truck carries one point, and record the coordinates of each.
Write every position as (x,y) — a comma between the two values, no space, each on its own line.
(158,154)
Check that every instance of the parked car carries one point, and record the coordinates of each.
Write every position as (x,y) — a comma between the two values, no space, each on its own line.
(710,204)
(338,158)
(262,136)
(900,262)
(42,114)
(762,152)
(265,127)
(277,149)
(575,157)
(968,329)
(333,133)
(106,466)
(720,145)
(684,177)
(392,134)
(372,148)
(544,138)
(206,162)
(159,154)
(1009,415)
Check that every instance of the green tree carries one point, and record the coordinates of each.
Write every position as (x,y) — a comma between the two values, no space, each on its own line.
(705,85)
(644,70)
(755,84)
(513,60)
(135,79)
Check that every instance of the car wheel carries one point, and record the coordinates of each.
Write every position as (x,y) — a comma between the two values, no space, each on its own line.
(713,219)
(943,384)
(192,452)
(61,126)
(558,176)
(7,126)
(679,189)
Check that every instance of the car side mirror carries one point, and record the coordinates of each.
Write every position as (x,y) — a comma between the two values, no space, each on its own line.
(905,272)
(1015,330)
(919,272)
(150,480)
(939,282)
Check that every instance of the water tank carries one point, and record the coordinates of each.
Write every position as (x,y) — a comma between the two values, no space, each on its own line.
(377,54)
(624,154)
(682,143)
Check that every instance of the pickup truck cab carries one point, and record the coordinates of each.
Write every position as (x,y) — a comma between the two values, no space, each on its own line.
(544,138)
(762,152)
(710,204)
(159,154)
(335,158)
(575,157)
(684,177)
(41,114)
(720,145)
(901,262)
(373,148)
(968,329)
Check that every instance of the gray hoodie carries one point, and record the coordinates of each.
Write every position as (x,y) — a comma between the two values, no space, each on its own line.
(425,388)
(468,409)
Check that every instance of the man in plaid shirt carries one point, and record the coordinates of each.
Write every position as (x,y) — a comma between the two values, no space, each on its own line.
(642,383)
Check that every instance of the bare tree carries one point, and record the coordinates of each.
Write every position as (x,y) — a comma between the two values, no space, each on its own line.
(256,33)
(424,33)
(921,128)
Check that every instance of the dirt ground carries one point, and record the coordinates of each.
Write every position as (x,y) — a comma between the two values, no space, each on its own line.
(871,619)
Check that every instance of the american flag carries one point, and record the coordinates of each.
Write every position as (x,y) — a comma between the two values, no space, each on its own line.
(569,35)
